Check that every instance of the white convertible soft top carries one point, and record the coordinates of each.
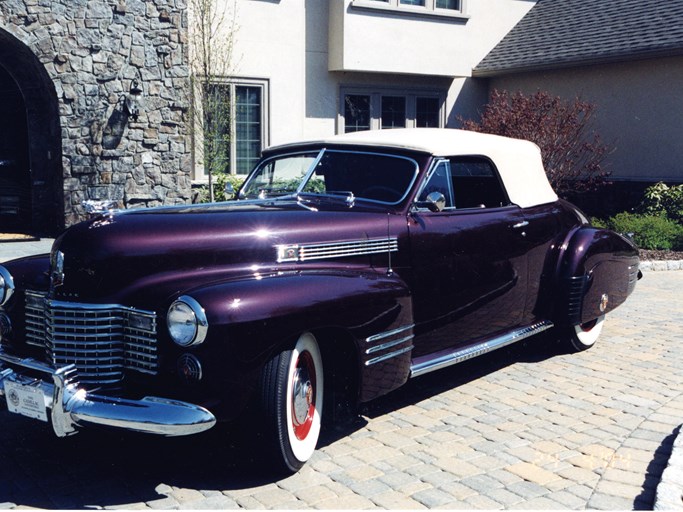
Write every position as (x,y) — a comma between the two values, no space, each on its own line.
(518,161)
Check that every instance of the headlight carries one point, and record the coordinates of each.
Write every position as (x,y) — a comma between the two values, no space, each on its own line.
(6,285)
(187,322)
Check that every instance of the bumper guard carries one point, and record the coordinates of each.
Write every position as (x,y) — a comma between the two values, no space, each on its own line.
(72,407)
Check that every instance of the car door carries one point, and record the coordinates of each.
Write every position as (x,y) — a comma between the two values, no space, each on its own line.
(469,267)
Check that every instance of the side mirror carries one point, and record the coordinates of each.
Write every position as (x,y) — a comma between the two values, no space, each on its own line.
(435,202)
(229,191)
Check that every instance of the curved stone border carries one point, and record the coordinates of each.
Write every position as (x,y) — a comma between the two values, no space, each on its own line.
(670,488)
(662,265)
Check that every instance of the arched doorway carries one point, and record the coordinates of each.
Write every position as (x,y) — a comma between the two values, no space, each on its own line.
(15,175)
(31,175)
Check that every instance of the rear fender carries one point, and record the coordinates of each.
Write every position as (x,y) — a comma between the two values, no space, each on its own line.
(597,270)
(251,320)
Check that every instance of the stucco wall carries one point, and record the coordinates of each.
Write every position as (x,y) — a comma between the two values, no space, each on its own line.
(93,50)
(639,111)
(296,45)
(269,44)
(366,39)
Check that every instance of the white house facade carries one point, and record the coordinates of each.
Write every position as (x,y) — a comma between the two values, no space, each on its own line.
(96,93)
(314,68)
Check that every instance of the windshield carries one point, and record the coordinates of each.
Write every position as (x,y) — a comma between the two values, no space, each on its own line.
(375,177)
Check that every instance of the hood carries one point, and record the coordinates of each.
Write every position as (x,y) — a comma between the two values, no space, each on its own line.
(125,257)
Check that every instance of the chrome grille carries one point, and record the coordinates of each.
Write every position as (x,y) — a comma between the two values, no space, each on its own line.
(35,319)
(101,340)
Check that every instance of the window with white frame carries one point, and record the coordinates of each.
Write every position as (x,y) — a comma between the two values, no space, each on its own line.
(248,134)
(385,109)
(443,7)
(235,128)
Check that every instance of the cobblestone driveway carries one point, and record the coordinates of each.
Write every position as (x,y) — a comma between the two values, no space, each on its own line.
(528,427)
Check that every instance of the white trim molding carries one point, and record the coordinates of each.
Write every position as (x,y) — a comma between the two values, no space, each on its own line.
(428,10)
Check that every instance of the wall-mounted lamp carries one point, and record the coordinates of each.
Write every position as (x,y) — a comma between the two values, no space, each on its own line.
(134,100)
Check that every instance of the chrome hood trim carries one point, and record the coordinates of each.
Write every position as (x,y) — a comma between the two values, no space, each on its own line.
(309,252)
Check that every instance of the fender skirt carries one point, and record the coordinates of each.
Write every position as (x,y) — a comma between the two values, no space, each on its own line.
(597,271)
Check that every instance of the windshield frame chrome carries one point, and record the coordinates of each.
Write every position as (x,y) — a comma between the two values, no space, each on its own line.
(265,161)
(311,170)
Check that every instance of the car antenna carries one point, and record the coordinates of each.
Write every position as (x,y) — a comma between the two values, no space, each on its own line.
(390,270)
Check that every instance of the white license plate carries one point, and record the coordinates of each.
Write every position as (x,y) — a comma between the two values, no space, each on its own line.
(25,400)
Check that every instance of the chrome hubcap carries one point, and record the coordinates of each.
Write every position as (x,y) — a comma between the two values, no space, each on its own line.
(303,396)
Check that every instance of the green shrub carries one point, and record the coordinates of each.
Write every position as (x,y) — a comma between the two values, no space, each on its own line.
(655,232)
(219,181)
(599,223)
(661,199)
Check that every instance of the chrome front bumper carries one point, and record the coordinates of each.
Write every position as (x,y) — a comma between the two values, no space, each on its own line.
(71,407)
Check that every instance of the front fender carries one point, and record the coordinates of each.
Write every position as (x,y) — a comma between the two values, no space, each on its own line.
(251,320)
(597,270)
(27,273)
(30,272)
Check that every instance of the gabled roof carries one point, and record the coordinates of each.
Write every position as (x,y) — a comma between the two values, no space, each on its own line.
(563,33)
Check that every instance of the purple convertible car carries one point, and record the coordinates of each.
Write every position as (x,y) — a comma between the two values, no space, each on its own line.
(343,268)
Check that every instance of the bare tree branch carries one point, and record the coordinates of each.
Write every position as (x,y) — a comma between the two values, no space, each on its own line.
(211,33)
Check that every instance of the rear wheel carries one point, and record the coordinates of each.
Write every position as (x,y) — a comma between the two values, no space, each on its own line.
(584,336)
(292,400)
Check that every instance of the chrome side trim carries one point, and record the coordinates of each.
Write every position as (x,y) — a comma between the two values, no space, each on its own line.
(390,355)
(390,344)
(479,349)
(308,252)
(72,407)
(387,334)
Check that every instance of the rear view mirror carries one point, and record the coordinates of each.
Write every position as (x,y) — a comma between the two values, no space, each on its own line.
(229,191)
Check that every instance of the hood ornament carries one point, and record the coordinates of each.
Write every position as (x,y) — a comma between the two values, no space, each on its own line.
(94,208)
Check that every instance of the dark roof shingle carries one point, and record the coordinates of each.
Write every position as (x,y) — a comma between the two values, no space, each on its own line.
(563,33)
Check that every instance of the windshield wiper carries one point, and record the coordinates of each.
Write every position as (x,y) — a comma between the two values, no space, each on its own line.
(301,201)
(335,196)
(268,192)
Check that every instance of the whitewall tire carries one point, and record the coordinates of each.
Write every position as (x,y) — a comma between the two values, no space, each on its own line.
(584,336)
(292,398)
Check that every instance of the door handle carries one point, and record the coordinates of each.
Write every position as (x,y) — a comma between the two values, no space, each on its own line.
(522,224)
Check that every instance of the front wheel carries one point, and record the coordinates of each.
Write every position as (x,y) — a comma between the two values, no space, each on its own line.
(292,401)
(583,336)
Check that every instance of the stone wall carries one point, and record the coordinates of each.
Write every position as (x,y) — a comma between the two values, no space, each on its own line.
(95,52)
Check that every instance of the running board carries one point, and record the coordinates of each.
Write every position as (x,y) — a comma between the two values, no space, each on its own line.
(479,349)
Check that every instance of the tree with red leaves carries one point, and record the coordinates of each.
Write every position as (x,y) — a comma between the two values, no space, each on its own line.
(573,153)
